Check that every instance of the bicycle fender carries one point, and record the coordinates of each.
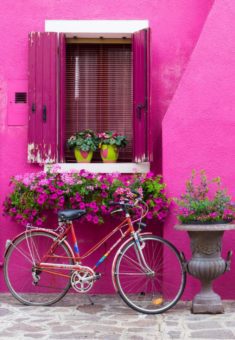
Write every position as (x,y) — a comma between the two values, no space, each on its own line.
(118,252)
(10,242)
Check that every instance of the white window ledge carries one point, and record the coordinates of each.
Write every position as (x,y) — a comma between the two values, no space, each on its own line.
(126,168)
(95,28)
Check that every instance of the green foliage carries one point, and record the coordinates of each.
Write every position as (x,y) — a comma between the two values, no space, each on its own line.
(112,138)
(153,187)
(85,140)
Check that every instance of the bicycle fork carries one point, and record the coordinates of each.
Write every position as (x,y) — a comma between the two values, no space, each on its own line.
(139,253)
(140,256)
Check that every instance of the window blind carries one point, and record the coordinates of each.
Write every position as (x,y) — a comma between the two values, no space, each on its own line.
(99,91)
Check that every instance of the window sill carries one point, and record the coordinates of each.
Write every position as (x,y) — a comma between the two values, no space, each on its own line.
(126,168)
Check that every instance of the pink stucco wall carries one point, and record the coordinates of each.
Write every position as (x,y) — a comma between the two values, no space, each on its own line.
(175,28)
(199,126)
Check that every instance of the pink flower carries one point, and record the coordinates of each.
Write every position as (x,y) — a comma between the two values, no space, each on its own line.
(95,219)
(104,209)
(44,182)
(185,211)
(26,181)
(34,212)
(53,196)
(162,215)
(158,200)
(18,178)
(41,199)
(89,217)
(61,201)
(150,174)
(78,198)
(55,169)
(228,212)
(213,214)
(82,205)
(90,187)
(67,179)
(39,190)
(93,205)
(59,192)
(39,222)
(149,215)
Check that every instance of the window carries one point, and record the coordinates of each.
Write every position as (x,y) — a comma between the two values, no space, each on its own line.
(79,91)
(99,89)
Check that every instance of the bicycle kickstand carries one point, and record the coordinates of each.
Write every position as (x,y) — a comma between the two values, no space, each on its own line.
(90,299)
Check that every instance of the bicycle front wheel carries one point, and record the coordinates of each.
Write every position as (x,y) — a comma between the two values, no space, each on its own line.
(29,284)
(152,287)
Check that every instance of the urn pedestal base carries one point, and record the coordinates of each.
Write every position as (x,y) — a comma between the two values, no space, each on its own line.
(207,302)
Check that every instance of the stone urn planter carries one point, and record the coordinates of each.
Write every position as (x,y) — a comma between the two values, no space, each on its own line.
(206,263)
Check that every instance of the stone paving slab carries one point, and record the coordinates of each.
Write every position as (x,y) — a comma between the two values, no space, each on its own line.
(109,319)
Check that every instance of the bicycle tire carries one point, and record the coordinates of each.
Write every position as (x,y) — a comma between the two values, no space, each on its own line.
(18,269)
(150,294)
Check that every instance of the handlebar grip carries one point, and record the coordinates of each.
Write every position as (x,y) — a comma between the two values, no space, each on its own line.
(113,203)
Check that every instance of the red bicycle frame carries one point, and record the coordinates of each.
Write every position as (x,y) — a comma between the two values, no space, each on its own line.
(45,266)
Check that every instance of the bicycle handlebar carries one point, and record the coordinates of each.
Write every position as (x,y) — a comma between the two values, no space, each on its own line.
(122,204)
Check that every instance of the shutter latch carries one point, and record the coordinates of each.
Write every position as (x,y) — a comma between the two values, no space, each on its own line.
(140,107)
(44,113)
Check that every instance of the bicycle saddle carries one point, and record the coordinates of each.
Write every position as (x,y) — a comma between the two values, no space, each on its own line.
(70,214)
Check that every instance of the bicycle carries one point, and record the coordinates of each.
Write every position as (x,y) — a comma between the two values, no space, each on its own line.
(40,265)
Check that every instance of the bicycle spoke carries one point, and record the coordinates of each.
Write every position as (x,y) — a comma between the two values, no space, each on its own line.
(150,291)
(29,284)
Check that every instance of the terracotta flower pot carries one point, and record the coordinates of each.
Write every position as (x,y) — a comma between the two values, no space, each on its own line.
(109,153)
(83,156)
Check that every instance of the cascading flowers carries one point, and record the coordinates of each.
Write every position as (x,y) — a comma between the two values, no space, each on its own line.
(36,193)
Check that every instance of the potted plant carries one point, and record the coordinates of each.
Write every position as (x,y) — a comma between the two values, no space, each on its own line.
(83,143)
(110,142)
(205,212)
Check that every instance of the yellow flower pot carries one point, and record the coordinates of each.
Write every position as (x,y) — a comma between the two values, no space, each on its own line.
(109,153)
(83,156)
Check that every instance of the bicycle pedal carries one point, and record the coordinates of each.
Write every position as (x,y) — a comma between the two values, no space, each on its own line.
(97,276)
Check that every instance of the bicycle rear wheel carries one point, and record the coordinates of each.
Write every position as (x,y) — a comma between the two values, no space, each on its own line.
(155,291)
(28,284)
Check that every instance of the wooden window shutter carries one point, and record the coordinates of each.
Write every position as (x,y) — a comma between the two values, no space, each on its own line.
(141,114)
(43,89)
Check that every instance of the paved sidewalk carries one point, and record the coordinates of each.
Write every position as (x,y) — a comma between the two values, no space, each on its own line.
(111,319)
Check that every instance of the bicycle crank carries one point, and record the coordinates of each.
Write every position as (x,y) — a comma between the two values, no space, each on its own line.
(82,280)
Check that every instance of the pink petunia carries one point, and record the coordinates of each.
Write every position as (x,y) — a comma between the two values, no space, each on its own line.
(82,205)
